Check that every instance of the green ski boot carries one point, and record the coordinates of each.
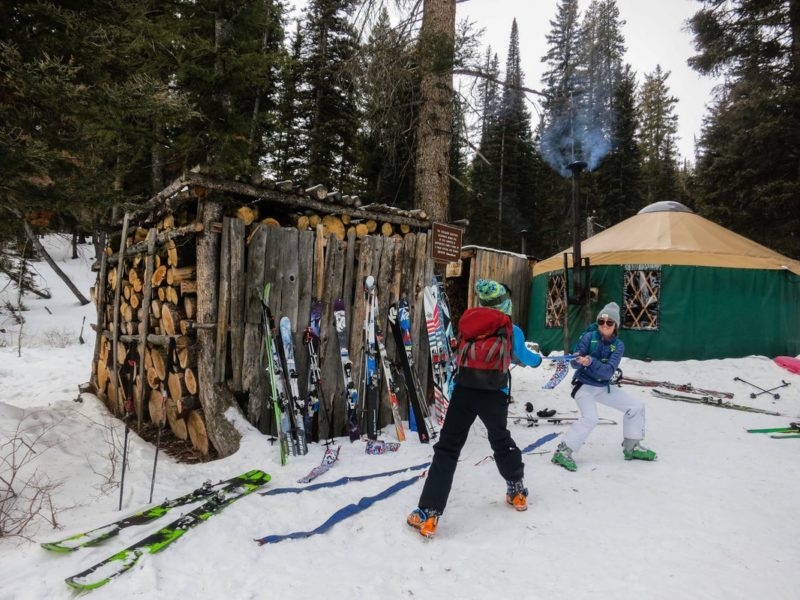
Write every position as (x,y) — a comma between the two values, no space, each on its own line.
(563,458)
(633,449)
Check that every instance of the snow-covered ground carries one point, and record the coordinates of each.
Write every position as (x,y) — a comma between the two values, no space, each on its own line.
(715,517)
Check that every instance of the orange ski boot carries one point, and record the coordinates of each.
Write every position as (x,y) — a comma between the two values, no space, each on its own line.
(517,495)
(424,521)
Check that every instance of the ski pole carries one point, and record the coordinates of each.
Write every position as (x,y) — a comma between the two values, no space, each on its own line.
(163,413)
(763,391)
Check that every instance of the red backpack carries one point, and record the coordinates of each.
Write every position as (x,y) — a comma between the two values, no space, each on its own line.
(485,345)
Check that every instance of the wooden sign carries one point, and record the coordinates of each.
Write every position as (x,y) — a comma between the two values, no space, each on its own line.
(446,244)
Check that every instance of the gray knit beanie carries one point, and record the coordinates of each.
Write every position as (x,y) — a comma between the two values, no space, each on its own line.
(610,311)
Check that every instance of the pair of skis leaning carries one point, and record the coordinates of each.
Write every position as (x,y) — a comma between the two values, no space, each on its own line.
(291,412)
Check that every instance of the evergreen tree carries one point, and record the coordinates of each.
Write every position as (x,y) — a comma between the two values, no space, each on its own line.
(657,138)
(329,53)
(290,155)
(617,183)
(747,176)
(502,180)
(388,87)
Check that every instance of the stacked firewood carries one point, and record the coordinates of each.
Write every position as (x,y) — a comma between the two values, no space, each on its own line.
(164,310)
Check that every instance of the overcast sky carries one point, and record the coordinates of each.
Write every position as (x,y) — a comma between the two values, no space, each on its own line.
(654,34)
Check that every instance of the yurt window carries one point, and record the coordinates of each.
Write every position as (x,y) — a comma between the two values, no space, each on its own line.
(641,290)
(554,315)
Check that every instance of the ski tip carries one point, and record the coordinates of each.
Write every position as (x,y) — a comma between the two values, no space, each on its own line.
(369,282)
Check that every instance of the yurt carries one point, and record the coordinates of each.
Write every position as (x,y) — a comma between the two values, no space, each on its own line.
(687,288)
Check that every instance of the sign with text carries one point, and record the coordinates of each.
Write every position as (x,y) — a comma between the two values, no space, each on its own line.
(446,245)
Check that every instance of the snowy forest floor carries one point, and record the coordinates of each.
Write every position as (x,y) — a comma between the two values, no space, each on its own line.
(716,516)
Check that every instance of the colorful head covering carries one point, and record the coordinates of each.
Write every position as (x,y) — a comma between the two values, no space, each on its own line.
(492,294)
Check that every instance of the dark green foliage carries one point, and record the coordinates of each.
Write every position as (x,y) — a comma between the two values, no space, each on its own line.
(657,138)
(329,49)
(747,174)
(389,89)
(503,175)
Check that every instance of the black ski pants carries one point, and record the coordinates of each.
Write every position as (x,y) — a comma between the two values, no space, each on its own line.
(491,406)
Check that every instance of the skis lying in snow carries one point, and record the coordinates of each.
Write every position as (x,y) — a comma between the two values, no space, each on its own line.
(711,401)
(115,565)
(784,436)
(104,532)
(792,428)
(678,387)
(556,419)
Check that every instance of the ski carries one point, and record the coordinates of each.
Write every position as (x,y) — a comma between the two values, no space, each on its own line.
(311,342)
(117,564)
(531,421)
(104,532)
(562,368)
(350,392)
(371,382)
(331,456)
(439,354)
(785,436)
(400,323)
(391,386)
(711,401)
(274,374)
(792,428)
(296,403)
(686,387)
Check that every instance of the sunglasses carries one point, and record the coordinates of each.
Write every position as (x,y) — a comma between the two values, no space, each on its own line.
(605,322)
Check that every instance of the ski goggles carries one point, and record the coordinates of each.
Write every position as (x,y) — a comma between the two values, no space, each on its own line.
(604,322)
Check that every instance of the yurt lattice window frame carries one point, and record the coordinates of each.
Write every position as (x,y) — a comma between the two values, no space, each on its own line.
(641,285)
(556,297)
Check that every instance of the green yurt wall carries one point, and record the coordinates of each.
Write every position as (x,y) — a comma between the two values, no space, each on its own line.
(704,313)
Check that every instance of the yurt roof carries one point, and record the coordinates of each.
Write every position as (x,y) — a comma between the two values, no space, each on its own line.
(668,233)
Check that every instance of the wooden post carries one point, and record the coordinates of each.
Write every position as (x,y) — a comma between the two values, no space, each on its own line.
(100,299)
(237,300)
(147,294)
(224,303)
(214,397)
(117,293)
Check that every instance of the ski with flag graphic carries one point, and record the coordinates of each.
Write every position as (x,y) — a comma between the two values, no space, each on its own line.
(562,368)
(117,564)
(100,534)
(296,403)
(439,354)
(400,323)
(350,392)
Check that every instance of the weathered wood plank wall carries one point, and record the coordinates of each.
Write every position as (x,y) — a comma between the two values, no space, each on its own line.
(291,261)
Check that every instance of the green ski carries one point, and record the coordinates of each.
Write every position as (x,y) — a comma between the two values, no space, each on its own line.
(792,428)
(117,564)
(784,436)
(143,517)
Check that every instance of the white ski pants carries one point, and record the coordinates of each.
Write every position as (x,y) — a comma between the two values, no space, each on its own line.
(587,398)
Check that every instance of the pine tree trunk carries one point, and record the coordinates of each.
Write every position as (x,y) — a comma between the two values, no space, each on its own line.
(432,184)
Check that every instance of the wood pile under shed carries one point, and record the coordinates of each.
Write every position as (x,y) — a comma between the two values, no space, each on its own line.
(181,282)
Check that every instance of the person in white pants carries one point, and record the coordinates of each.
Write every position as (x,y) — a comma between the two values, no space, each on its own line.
(599,353)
